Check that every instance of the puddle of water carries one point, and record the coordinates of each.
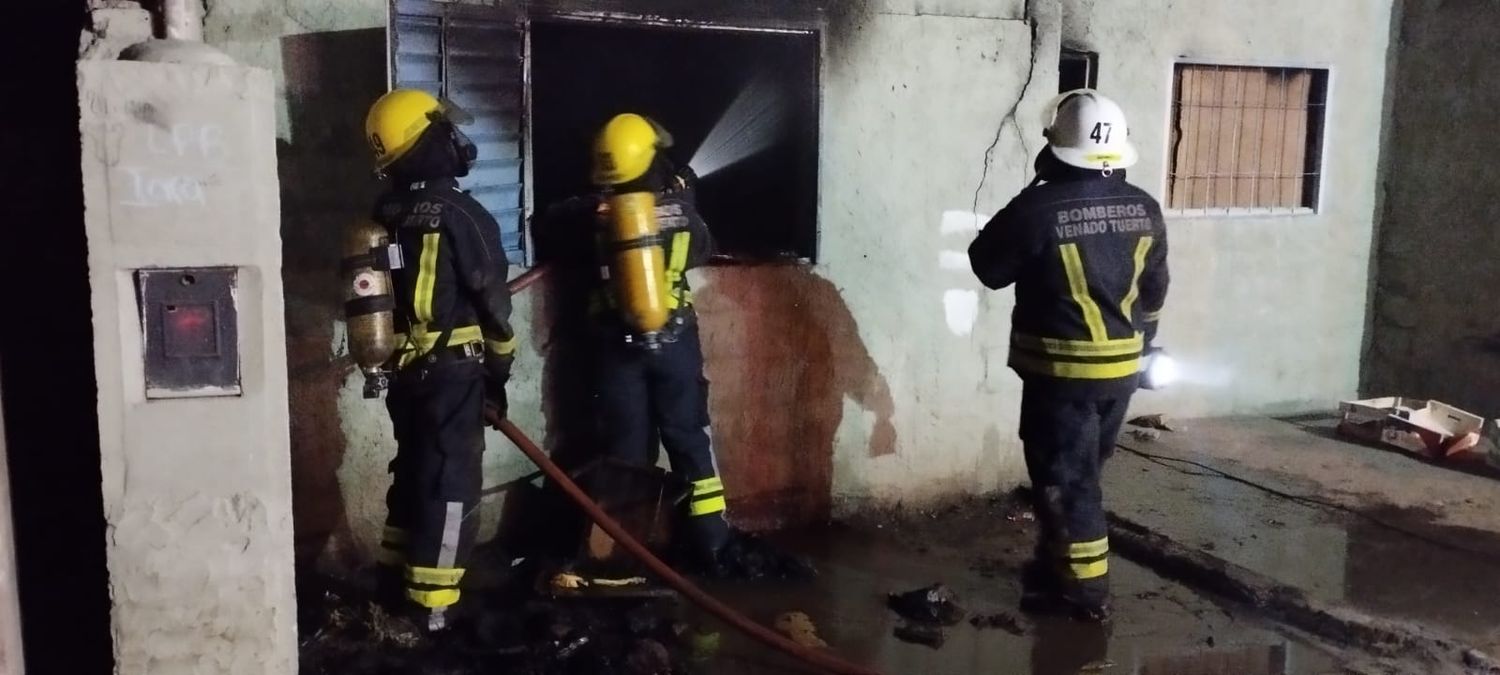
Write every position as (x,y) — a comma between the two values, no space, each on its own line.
(1259,660)
(1445,575)
(1157,630)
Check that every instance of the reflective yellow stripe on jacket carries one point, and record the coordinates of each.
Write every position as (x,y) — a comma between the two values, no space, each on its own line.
(420,341)
(1078,285)
(1097,357)
(677,296)
(1141,248)
(1076,359)
(502,347)
(426,277)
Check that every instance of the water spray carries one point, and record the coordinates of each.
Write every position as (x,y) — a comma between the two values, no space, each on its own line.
(754,121)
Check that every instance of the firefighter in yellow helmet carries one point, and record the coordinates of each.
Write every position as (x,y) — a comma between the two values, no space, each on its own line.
(633,242)
(1087,253)
(455,346)
(650,371)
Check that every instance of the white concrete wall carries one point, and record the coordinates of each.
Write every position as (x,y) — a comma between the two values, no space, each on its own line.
(1266,312)
(196,490)
(911,102)
(11,659)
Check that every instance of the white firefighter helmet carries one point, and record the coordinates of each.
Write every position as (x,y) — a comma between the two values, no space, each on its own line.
(1087,130)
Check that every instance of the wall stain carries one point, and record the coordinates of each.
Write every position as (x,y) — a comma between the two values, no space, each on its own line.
(331,78)
(783,351)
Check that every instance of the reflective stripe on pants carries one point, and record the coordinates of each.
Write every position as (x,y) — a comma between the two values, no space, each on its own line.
(437,414)
(1066,442)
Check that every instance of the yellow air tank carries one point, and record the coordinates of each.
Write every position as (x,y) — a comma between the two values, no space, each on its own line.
(368,304)
(638,267)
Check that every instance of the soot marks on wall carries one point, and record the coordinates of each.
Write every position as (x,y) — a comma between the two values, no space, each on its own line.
(331,79)
(688,80)
(783,354)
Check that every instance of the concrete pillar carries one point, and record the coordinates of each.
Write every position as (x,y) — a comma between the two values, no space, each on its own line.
(11,661)
(181,200)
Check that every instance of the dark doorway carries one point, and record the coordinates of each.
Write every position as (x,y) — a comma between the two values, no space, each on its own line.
(50,407)
(760,208)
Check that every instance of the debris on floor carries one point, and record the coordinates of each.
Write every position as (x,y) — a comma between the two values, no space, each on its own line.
(935,604)
(570,581)
(1144,435)
(503,633)
(1480,663)
(649,657)
(991,568)
(926,634)
(1156,421)
(749,557)
(999,620)
(800,629)
(926,611)
(1429,429)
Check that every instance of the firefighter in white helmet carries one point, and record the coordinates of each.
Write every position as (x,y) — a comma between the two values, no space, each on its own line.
(1087,252)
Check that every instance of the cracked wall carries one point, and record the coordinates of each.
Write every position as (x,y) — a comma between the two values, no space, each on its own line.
(1266,314)
(1432,335)
(915,96)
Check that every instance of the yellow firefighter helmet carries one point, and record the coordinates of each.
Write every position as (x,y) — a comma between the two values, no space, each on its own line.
(626,147)
(398,119)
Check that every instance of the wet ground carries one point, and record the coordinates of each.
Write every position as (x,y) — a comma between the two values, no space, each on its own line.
(1361,526)
(975,548)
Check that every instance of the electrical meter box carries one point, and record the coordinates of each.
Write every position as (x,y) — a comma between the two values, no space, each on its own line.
(190,340)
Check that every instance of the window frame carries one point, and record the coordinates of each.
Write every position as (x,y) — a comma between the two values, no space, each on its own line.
(525,16)
(1242,212)
(815,30)
(1090,60)
(444,12)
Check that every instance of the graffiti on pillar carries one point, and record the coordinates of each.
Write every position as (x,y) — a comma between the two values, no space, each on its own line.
(179,144)
(158,161)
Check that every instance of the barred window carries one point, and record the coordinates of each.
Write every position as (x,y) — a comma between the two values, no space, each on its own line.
(1246,138)
(1077,70)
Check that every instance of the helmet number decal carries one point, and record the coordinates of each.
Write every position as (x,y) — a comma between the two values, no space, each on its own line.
(1102,132)
(375,143)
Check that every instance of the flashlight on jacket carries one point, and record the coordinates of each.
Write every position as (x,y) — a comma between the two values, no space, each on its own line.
(1158,370)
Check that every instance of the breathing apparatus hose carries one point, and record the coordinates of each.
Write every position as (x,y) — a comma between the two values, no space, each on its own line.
(820,660)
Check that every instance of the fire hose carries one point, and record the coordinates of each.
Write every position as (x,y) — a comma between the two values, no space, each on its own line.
(822,660)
